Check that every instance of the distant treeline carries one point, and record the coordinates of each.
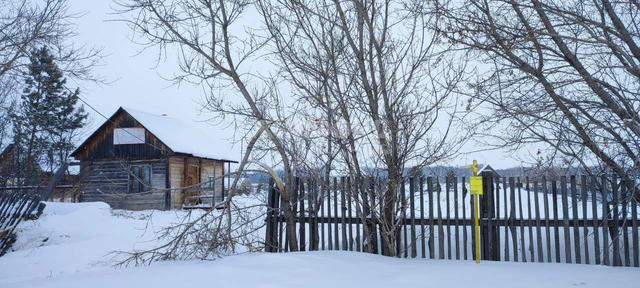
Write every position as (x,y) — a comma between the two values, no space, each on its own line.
(443,171)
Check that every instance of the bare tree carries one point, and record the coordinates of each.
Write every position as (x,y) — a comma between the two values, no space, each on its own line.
(381,81)
(212,48)
(562,73)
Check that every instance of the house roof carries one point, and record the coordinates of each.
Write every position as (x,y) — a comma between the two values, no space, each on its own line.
(180,136)
(488,168)
(6,150)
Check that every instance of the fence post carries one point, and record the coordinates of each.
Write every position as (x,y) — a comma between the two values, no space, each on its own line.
(488,233)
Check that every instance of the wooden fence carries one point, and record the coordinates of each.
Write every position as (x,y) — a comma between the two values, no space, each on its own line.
(19,203)
(14,207)
(528,220)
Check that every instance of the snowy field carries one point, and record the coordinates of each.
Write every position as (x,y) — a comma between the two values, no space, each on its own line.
(69,246)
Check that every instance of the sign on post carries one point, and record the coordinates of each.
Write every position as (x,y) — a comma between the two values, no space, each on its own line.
(475,185)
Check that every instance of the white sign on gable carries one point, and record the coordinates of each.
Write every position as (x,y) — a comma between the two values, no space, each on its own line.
(128,136)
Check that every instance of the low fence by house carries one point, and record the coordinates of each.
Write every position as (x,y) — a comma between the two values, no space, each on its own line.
(15,206)
(20,203)
(578,219)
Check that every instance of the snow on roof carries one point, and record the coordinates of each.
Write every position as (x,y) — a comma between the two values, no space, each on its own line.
(183,137)
(487,167)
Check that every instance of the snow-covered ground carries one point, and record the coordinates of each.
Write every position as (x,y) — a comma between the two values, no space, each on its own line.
(341,269)
(69,246)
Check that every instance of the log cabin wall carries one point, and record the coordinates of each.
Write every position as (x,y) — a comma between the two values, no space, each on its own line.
(176,178)
(107,180)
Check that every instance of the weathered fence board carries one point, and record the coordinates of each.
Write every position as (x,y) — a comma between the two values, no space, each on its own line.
(464,219)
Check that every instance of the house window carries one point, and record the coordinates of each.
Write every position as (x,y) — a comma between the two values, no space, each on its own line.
(210,181)
(140,178)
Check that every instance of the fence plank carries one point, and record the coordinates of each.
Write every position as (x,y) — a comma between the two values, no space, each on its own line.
(440,228)
(585,228)
(268,241)
(448,187)
(404,216)
(594,210)
(536,201)
(281,245)
(329,230)
(556,227)
(349,192)
(303,241)
(455,209)
(322,207)
(615,239)
(356,196)
(276,205)
(490,252)
(316,200)
(545,193)
(522,244)
(625,232)
(634,232)
(431,238)
(512,217)
(530,223)
(374,230)
(366,211)
(464,218)
(506,218)
(414,249)
(565,219)
(473,231)
(424,246)
(343,211)
(576,229)
(294,199)
(605,221)
(312,217)
(497,211)
(335,212)
(381,208)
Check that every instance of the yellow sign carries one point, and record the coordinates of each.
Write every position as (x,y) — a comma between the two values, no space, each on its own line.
(475,183)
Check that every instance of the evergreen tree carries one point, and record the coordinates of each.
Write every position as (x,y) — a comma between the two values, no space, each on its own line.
(46,116)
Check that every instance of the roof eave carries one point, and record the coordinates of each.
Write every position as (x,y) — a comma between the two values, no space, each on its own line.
(203,157)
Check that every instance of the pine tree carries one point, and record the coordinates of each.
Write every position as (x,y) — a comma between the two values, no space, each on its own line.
(46,116)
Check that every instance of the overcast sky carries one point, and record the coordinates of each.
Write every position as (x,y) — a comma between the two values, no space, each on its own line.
(137,82)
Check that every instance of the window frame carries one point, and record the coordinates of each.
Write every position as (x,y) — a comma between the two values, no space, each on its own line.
(137,182)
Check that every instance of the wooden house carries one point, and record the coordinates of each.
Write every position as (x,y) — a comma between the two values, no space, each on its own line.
(7,166)
(12,177)
(137,160)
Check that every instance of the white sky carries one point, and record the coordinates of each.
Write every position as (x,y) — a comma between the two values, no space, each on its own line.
(138,84)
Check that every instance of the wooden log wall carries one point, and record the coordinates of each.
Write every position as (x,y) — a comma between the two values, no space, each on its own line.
(576,219)
(108,181)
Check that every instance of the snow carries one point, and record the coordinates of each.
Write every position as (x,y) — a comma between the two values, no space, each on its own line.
(342,269)
(70,245)
(183,137)
(71,237)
